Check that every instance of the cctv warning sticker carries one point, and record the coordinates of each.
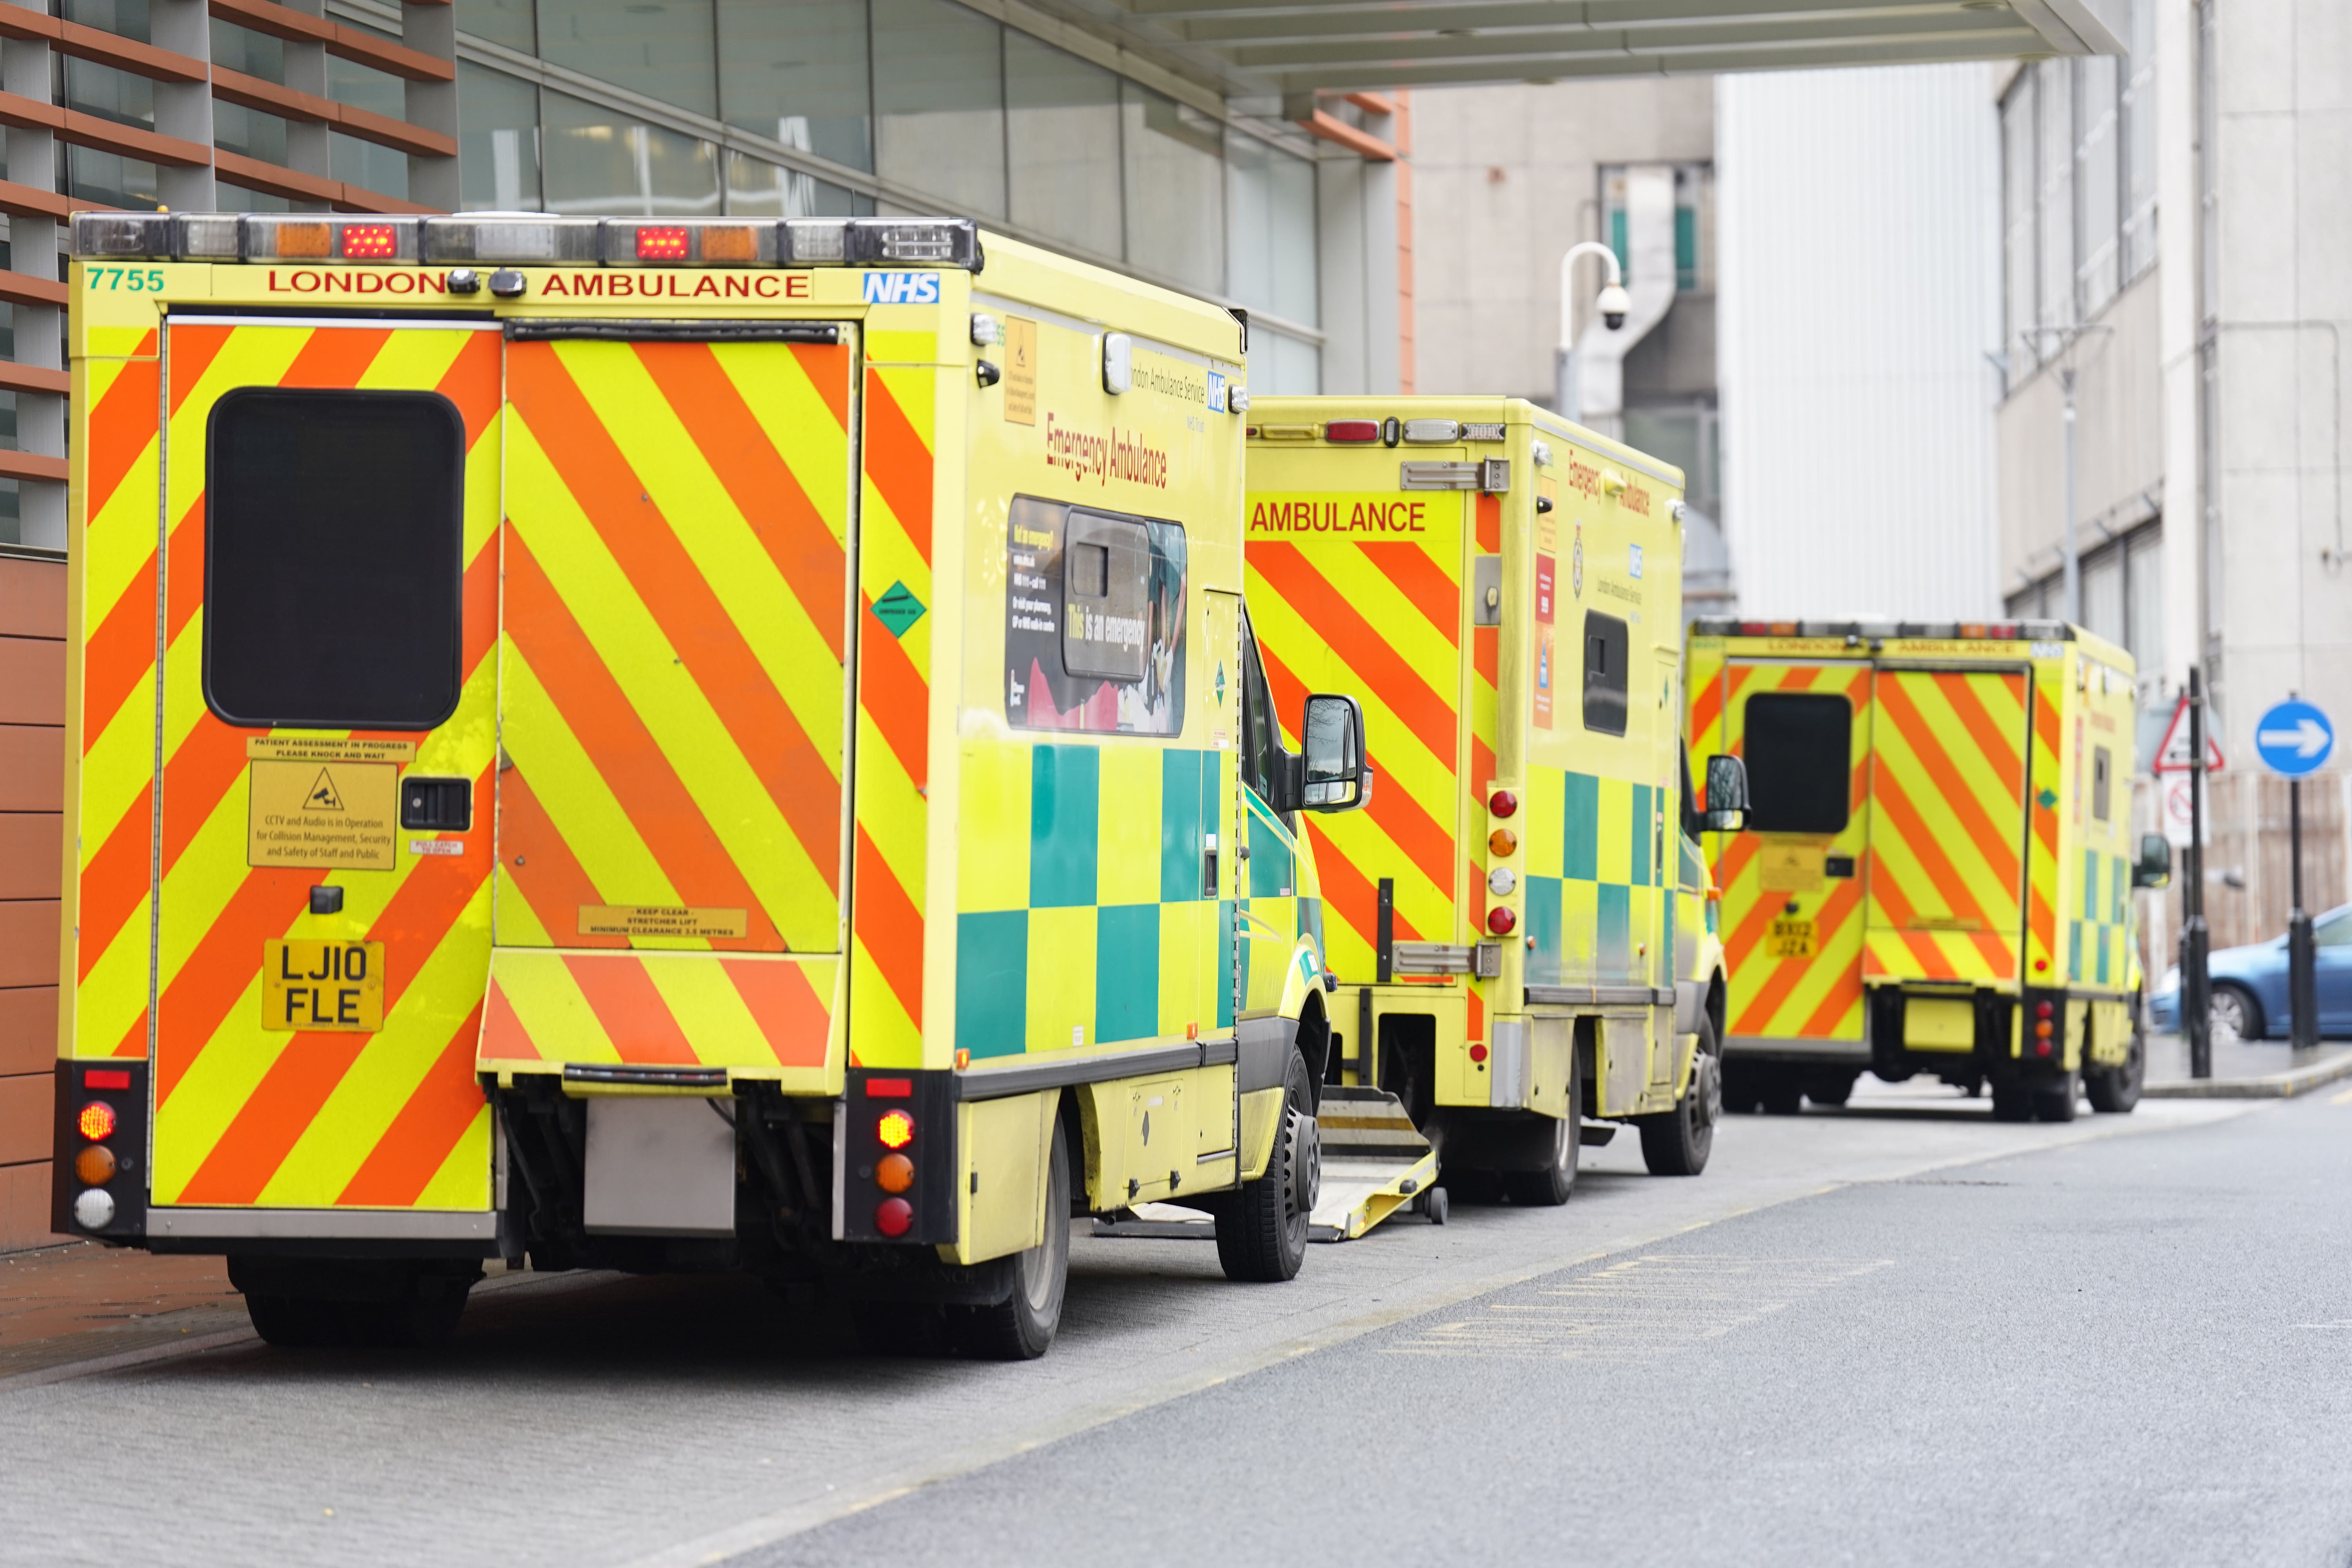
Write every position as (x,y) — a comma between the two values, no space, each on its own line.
(328,815)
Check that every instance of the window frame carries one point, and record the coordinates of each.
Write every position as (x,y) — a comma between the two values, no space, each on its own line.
(1760,788)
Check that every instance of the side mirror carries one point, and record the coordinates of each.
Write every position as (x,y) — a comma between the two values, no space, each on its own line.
(2155,868)
(1727,794)
(1333,775)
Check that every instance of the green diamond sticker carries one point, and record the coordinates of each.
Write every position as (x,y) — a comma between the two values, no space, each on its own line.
(898,609)
(1221,683)
(2047,800)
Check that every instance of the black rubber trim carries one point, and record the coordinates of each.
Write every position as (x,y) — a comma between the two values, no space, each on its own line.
(997,1083)
(540,330)
(1266,1044)
(665,1076)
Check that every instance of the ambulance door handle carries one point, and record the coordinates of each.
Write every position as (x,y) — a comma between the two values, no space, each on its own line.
(1208,865)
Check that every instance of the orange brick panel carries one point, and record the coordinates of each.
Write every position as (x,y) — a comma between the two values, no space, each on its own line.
(25,1101)
(32,768)
(29,942)
(33,597)
(32,681)
(28,1029)
(31,843)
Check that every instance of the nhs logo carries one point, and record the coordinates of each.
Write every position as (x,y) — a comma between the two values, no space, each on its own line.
(902,288)
(1216,392)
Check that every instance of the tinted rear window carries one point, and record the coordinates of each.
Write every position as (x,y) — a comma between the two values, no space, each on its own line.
(335,545)
(1799,758)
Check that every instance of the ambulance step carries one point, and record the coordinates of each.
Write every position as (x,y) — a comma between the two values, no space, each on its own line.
(1375,1161)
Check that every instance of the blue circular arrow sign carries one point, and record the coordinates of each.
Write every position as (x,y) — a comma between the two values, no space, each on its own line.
(2293,739)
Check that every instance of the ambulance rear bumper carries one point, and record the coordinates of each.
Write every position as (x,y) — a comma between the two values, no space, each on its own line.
(1795,1048)
(440,1233)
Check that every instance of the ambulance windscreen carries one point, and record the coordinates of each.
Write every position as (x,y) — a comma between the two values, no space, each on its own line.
(334,552)
(1797,747)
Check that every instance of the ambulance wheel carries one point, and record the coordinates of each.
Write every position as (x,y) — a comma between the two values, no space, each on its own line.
(901,1328)
(1783,1090)
(2116,1090)
(1555,1182)
(1436,1205)
(1678,1143)
(1262,1232)
(1743,1087)
(1022,1326)
(2055,1101)
(1830,1088)
(294,1322)
(2012,1102)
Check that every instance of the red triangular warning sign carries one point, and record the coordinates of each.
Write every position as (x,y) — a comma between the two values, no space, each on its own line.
(2173,756)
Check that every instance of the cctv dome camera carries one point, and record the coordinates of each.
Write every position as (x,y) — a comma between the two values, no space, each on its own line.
(1612,305)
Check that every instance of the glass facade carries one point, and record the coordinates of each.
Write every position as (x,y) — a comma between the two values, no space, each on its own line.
(916,105)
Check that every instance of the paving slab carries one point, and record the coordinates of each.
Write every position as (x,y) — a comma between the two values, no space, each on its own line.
(2244,1069)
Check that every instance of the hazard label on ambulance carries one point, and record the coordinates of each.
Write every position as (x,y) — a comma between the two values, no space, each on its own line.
(307,983)
(656,919)
(323,813)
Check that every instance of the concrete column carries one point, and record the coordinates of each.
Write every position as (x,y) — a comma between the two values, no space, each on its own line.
(307,146)
(33,249)
(2180,225)
(184,108)
(432,105)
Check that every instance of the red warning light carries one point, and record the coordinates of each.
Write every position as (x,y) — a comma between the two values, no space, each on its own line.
(369,242)
(896,1129)
(661,243)
(1352,430)
(97,1121)
(893,1216)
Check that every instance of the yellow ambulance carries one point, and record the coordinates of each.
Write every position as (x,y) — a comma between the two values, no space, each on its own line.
(1519,923)
(1937,867)
(669,745)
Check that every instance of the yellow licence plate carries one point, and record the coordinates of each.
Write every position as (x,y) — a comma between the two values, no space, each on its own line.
(1792,939)
(308,983)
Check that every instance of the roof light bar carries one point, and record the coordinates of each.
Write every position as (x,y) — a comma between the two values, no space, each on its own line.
(519,239)
(1889,631)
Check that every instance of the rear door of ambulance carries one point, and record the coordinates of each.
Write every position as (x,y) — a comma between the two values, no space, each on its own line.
(1357,585)
(1948,825)
(328,748)
(1793,884)
(672,852)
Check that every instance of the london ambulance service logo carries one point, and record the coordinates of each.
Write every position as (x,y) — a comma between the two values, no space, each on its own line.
(1576,563)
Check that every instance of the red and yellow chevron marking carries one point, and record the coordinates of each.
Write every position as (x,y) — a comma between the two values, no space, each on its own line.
(1819,997)
(2041,855)
(1947,831)
(894,697)
(247,1116)
(1381,619)
(675,566)
(120,461)
(666,1009)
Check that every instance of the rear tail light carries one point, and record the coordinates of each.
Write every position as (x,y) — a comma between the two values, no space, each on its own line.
(2043,1009)
(1501,921)
(893,1217)
(894,1174)
(1477,1051)
(1352,430)
(106,1077)
(95,1165)
(97,1121)
(1503,803)
(890,1087)
(896,1129)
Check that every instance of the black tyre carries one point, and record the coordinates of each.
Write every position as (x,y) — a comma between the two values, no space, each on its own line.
(1830,1088)
(296,1323)
(1555,1184)
(2012,1102)
(2115,1091)
(1471,1184)
(901,1328)
(2235,1015)
(2055,1101)
(1743,1087)
(1262,1230)
(1783,1090)
(1022,1326)
(1678,1143)
(1436,1205)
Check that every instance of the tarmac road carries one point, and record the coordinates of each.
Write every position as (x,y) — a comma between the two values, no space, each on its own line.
(1853,1340)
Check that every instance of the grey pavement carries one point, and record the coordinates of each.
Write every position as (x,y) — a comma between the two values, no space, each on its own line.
(677,1421)
(2245,1069)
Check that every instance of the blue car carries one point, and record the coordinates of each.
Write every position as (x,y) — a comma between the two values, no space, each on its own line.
(2250,985)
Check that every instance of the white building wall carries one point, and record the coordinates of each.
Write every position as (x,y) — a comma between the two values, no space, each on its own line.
(1859,294)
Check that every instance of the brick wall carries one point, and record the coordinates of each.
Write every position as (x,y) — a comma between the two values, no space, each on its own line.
(32,783)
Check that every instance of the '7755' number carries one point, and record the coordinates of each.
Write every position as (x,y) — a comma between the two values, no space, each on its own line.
(138,279)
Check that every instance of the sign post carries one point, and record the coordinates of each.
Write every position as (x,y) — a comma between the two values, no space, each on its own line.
(2293,738)
(2187,748)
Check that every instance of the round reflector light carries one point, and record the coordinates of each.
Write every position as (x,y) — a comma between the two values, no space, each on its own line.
(2043,1009)
(95,1165)
(893,1216)
(894,1174)
(1477,1051)
(1501,921)
(1503,803)
(94,1210)
(896,1129)
(97,1121)
(1501,881)
(1502,844)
